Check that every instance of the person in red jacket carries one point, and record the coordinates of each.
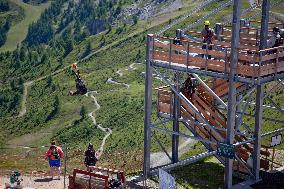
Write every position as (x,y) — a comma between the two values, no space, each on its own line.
(54,154)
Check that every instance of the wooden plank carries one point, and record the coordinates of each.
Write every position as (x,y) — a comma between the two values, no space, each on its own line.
(242,153)
(165,108)
(191,48)
(280,66)
(242,35)
(199,50)
(209,109)
(165,97)
(206,128)
(267,69)
(247,70)
(199,130)
(202,132)
(264,164)
(243,41)
(223,89)
(247,58)
(241,46)
(240,168)
(207,117)
(268,57)
(214,65)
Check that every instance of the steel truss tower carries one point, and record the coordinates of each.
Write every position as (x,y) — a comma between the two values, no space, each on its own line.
(238,71)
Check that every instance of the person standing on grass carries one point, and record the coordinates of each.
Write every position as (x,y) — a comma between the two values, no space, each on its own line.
(91,156)
(54,154)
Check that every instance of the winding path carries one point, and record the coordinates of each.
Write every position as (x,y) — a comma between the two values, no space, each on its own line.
(24,101)
(120,74)
(28,84)
(108,131)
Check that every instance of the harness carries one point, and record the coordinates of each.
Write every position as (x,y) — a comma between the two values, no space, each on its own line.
(208,36)
(55,153)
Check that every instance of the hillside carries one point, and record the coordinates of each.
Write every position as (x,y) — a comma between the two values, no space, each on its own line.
(10,14)
(109,47)
(19,30)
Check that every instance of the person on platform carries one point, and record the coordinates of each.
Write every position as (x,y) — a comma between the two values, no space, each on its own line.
(275,40)
(207,36)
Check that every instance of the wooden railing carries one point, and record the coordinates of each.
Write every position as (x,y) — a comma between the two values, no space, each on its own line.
(97,177)
(251,63)
(102,180)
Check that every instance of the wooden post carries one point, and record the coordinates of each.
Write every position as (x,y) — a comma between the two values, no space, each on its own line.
(272,161)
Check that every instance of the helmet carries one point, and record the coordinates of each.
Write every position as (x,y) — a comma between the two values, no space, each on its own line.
(74,66)
(276,29)
(206,23)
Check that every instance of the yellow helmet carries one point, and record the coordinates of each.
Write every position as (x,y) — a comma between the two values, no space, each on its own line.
(206,23)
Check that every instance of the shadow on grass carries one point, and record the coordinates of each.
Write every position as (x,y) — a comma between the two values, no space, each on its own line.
(200,175)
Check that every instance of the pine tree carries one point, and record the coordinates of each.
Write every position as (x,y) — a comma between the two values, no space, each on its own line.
(83,112)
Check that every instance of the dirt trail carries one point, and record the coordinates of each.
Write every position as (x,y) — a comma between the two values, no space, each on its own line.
(120,74)
(108,131)
(30,83)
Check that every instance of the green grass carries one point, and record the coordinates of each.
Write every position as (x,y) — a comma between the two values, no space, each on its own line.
(121,110)
(18,32)
(14,15)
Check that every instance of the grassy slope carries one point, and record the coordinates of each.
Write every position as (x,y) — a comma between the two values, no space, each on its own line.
(108,63)
(15,14)
(122,110)
(18,32)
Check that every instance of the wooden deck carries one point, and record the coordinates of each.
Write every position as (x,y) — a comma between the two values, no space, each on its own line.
(252,63)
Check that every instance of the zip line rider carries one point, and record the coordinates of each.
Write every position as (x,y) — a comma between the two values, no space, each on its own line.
(207,35)
(80,84)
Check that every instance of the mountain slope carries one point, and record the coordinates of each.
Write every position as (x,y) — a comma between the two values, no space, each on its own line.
(52,114)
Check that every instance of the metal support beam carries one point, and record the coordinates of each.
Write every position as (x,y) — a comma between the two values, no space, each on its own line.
(148,107)
(185,162)
(249,92)
(257,131)
(282,83)
(210,90)
(176,111)
(267,93)
(176,114)
(183,135)
(275,105)
(265,118)
(239,117)
(273,132)
(231,119)
(161,146)
(260,93)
